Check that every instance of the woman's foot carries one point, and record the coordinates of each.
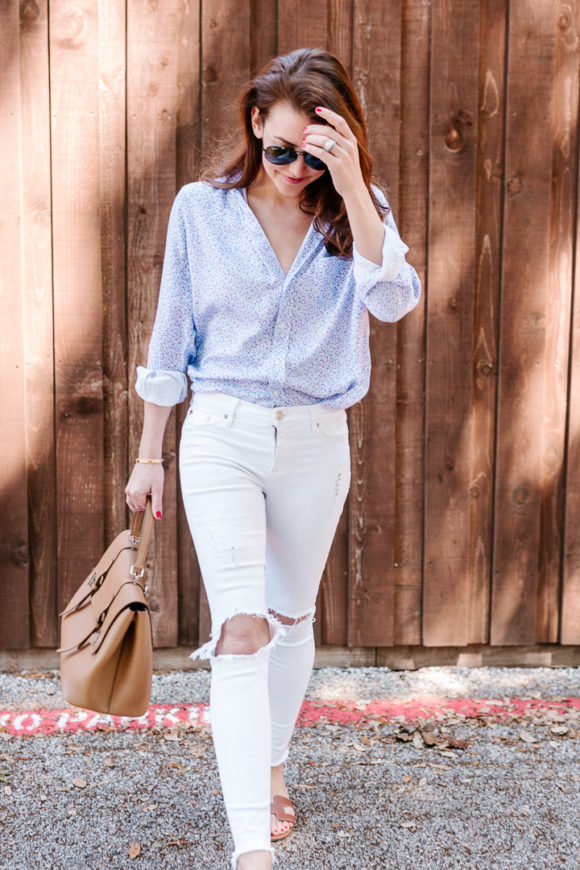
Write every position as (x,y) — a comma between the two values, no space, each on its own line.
(255,861)
(278,787)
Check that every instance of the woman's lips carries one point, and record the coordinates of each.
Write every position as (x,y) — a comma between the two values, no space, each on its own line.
(293,180)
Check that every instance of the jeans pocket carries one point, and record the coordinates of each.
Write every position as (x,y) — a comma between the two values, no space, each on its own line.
(333,424)
(202,417)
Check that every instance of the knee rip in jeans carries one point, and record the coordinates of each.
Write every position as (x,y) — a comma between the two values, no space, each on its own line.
(209,649)
(278,624)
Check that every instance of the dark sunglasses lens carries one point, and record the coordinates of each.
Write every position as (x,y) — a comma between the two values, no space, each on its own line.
(314,162)
(278,155)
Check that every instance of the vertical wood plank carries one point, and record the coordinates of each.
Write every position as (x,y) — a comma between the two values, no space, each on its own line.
(410,408)
(569,22)
(112,187)
(340,35)
(151,144)
(490,178)
(524,319)
(300,26)
(38,334)
(14,627)
(452,197)
(188,162)
(78,333)
(263,33)
(558,314)
(377,50)
(225,40)
(333,603)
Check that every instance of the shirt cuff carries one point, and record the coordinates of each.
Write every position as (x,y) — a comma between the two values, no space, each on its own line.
(161,387)
(367,273)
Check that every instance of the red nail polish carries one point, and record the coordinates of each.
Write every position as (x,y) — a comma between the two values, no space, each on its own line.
(304,129)
(158,515)
(318,109)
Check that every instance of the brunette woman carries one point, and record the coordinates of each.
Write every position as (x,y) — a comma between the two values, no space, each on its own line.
(273,263)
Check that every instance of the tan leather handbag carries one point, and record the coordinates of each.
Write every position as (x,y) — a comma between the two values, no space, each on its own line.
(106,651)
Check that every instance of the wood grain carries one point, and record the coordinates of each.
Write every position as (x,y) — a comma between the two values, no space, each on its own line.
(570,595)
(78,326)
(452,219)
(334,593)
(151,144)
(558,316)
(410,382)
(460,531)
(524,316)
(377,37)
(188,156)
(225,63)
(301,26)
(14,558)
(112,196)
(38,334)
(488,249)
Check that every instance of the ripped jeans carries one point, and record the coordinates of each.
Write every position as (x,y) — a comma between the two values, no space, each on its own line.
(263,490)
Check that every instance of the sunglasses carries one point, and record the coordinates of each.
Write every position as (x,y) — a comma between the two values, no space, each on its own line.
(281,156)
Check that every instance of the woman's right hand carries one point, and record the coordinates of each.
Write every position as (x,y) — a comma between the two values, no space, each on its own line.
(146,479)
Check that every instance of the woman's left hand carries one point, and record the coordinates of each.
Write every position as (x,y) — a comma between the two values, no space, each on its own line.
(343,160)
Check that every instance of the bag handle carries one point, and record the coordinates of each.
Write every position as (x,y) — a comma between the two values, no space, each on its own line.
(142,531)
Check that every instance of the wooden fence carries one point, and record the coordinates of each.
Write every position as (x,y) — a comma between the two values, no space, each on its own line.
(461,523)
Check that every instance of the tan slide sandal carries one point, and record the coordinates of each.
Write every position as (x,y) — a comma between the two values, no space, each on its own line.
(278,808)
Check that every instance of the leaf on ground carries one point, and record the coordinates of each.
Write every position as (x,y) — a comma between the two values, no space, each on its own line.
(417,740)
(134,849)
(408,824)
(423,781)
(79,783)
(527,737)
(7,789)
(429,738)
(559,729)
(455,743)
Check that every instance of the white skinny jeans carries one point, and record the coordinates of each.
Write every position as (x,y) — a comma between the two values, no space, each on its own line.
(263,490)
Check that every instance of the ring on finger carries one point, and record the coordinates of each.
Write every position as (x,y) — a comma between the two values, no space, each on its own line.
(329,145)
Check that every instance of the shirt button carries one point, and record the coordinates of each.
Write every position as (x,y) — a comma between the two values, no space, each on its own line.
(276,393)
(278,415)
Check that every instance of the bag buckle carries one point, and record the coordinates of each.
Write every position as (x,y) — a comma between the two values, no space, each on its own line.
(95,637)
(92,578)
(136,574)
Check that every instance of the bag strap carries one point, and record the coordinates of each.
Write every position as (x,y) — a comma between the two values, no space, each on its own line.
(142,530)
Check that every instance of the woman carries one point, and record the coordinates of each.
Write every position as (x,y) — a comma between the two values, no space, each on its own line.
(271,268)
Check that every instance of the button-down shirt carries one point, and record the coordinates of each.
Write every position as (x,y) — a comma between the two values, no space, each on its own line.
(230,317)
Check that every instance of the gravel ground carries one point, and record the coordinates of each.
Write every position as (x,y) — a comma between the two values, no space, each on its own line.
(26,690)
(369,796)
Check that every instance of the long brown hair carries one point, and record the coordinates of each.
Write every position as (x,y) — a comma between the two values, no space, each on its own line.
(305,78)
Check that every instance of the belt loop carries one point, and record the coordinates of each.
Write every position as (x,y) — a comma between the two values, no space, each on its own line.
(315,416)
(232,407)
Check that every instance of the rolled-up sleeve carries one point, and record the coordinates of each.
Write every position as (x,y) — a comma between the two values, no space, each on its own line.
(392,288)
(172,346)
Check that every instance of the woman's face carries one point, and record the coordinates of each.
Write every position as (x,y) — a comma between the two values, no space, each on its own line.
(284,126)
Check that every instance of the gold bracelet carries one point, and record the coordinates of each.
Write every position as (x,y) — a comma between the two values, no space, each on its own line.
(150,461)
